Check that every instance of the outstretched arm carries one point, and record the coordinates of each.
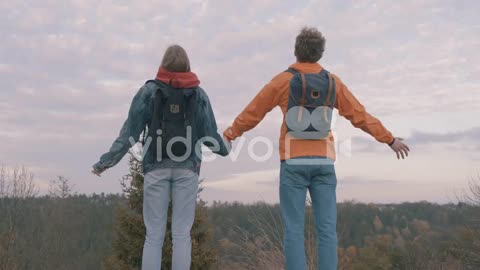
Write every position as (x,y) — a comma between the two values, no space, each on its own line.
(132,128)
(264,102)
(210,129)
(350,108)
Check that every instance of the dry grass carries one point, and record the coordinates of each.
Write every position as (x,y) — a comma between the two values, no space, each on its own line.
(265,250)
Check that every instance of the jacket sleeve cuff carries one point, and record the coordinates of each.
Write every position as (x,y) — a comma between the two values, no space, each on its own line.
(392,142)
(98,167)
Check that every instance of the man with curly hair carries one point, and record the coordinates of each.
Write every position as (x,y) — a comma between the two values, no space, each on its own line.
(307,95)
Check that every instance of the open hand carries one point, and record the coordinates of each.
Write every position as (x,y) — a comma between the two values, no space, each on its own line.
(97,172)
(400,148)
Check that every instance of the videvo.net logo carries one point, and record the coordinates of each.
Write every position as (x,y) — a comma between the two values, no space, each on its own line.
(316,125)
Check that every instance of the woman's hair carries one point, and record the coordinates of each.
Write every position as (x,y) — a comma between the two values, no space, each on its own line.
(175,59)
(309,45)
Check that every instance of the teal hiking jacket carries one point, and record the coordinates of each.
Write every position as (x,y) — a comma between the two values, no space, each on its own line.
(140,117)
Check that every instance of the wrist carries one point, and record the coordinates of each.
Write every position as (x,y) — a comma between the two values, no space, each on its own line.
(98,167)
(228,134)
(393,141)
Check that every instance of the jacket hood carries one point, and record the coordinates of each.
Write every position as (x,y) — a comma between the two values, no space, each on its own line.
(178,79)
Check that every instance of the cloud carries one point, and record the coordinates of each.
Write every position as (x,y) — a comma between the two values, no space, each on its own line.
(263,186)
(464,141)
(69,69)
(468,136)
(256,181)
(395,191)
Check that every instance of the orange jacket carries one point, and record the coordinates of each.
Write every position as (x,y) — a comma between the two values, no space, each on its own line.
(276,93)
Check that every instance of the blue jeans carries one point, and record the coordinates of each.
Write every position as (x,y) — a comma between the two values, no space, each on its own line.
(321,182)
(183,185)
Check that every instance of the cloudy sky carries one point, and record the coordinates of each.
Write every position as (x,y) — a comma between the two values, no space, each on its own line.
(69,69)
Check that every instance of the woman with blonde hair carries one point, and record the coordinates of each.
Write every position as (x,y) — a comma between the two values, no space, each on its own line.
(179,119)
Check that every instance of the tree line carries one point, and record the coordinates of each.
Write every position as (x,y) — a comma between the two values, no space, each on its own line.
(66,230)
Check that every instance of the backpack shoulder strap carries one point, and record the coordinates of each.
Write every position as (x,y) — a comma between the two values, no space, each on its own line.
(292,71)
(191,98)
(331,86)
(161,92)
(158,84)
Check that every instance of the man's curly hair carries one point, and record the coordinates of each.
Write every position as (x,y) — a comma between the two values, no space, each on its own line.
(309,45)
